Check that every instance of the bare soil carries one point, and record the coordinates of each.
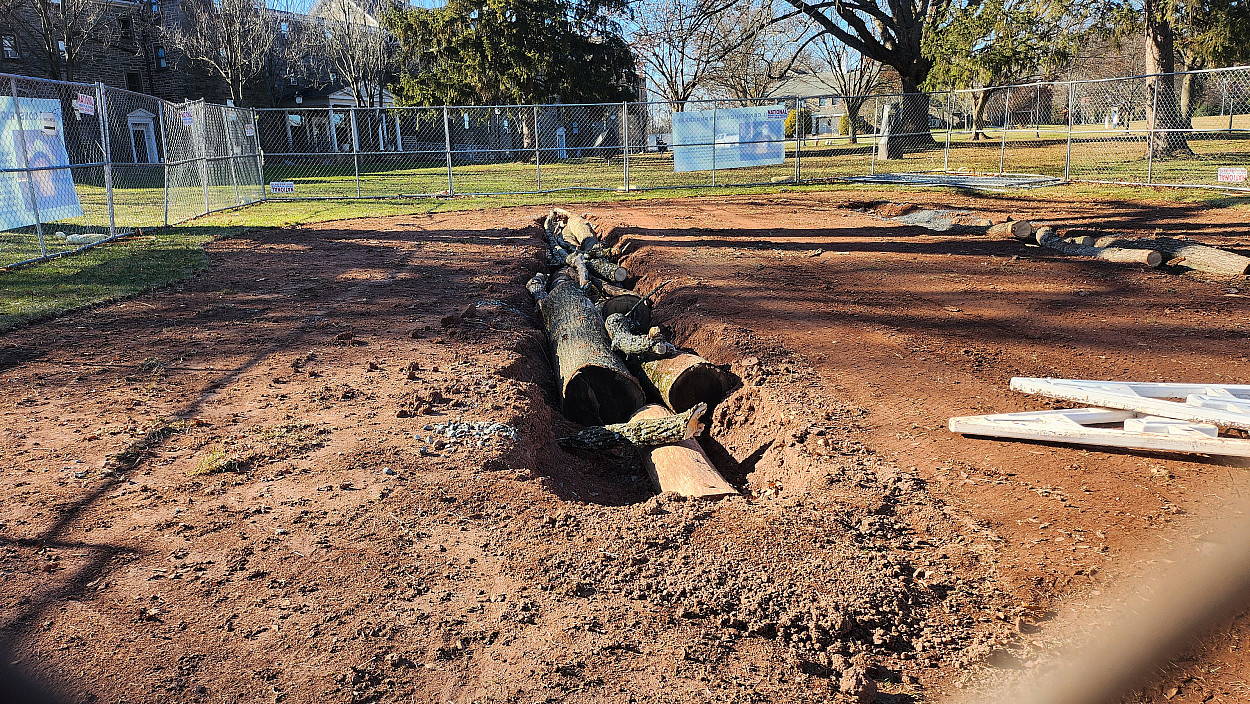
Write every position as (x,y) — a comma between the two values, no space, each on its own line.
(238,489)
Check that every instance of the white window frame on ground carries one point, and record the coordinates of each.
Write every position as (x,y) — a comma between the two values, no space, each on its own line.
(145,122)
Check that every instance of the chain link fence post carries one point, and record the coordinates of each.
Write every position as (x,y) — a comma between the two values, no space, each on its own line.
(799,124)
(1067,159)
(355,149)
(106,144)
(1151,124)
(625,142)
(950,119)
(872,159)
(1002,154)
(199,125)
(538,156)
(714,107)
(451,190)
(160,120)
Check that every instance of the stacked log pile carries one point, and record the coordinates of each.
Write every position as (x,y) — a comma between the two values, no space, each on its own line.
(1147,251)
(609,360)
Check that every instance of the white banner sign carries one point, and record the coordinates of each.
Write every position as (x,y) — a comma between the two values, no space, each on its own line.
(282,187)
(753,136)
(1231,174)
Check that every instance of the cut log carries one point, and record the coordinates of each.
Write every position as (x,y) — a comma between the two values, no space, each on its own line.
(1019,229)
(609,270)
(664,429)
(682,467)
(595,385)
(1047,238)
(576,229)
(577,263)
(1193,255)
(1083,240)
(683,381)
(612,303)
(636,348)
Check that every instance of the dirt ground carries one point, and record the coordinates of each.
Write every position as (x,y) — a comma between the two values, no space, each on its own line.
(243,489)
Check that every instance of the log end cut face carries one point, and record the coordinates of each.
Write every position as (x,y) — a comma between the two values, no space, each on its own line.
(705,386)
(597,395)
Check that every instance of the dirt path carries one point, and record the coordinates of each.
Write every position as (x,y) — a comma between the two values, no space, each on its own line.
(244,490)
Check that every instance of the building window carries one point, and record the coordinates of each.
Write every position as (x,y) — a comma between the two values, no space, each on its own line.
(127,30)
(286,28)
(161,60)
(134,82)
(8,43)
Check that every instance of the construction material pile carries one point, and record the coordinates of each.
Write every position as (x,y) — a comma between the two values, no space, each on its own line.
(609,361)
(1211,419)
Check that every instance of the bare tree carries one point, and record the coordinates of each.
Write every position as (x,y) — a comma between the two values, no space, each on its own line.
(757,52)
(64,32)
(356,47)
(677,43)
(233,38)
(854,76)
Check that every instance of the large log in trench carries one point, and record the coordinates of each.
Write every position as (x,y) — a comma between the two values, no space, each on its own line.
(576,229)
(1193,255)
(595,385)
(1047,238)
(681,467)
(683,381)
(614,299)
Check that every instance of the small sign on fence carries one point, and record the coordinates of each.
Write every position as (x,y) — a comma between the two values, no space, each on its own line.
(1231,174)
(249,130)
(281,186)
(84,104)
(188,117)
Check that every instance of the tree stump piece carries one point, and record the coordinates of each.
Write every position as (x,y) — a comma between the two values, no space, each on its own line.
(576,229)
(682,381)
(1019,229)
(682,467)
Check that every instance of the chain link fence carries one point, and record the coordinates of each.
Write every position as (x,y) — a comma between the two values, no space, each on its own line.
(83,163)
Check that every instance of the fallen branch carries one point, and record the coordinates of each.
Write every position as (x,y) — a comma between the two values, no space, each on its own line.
(636,348)
(639,432)
(1047,238)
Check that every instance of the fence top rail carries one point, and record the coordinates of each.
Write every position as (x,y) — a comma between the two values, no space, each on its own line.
(6,76)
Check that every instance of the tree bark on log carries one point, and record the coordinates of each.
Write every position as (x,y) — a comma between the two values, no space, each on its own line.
(608,270)
(576,229)
(682,381)
(1201,257)
(1047,238)
(614,299)
(682,467)
(636,348)
(661,429)
(595,385)
(1019,229)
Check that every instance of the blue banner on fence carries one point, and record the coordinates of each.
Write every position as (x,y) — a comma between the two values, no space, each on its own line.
(42,133)
(753,136)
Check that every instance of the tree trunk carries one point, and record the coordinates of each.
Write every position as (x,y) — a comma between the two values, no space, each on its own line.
(1019,229)
(980,100)
(682,381)
(1163,115)
(1193,255)
(595,386)
(1047,238)
(682,467)
(914,117)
